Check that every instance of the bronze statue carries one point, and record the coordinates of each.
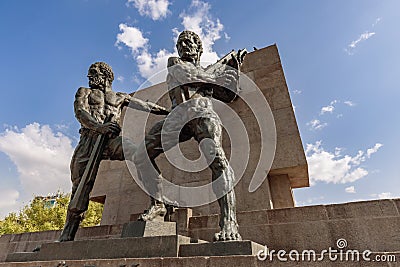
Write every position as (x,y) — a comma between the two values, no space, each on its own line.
(191,88)
(98,110)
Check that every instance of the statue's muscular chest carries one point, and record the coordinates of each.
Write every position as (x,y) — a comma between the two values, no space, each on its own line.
(98,99)
(103,104)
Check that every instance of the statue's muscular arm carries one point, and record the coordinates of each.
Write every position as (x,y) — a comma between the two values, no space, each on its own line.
(143,105)
(184,72)
(82,114)
(82,109)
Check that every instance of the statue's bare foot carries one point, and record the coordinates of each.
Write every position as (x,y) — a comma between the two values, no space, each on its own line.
(229,232)
(155,212)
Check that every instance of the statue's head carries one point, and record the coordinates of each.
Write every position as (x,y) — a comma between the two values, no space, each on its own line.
(100,75)
(189,46)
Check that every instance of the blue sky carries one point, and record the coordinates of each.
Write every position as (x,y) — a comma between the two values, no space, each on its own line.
(341,60)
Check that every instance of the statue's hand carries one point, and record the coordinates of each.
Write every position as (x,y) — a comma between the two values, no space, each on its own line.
(110,129)
(156,109)
(227,78)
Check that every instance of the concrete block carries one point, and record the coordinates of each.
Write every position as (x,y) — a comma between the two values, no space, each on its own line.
(145,229)
(275,90)
(251,218)
(285,121)
(244,247)
(375,234)
(182,217)
(260,58)
(298,214)
(22,257)
(5,238)
(248,261)
(374,208)
(281,191)
(263,72)
(201,222)
(144,247)
(397,202)
(187,262)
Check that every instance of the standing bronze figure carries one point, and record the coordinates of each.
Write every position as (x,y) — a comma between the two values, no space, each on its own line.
(98,110)
(191,87)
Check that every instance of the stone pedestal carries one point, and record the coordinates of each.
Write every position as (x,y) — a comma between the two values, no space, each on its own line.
(145,229)
(135,247)
(227,248)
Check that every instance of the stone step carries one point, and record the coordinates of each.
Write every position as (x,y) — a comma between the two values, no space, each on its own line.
(26,242)
(352,210)
(375,234)
(227,248)
(144,229)
(134,247)
(213,261)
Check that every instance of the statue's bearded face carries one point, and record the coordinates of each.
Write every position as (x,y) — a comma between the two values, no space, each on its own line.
(96,78)
(188,47)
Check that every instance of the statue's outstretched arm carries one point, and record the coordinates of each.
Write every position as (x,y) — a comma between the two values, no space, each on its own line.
(146,106)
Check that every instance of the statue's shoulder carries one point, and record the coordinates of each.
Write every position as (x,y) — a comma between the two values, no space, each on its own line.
(83,91)
(123,96)
(173,61)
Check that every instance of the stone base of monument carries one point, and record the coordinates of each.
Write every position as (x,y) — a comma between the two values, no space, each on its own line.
(138,240)
(133,247)
(145,229)
(366,225)
(227,248)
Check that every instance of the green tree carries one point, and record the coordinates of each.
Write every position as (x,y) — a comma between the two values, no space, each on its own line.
(38,215)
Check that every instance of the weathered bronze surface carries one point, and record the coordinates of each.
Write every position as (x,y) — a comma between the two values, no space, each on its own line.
(191,88)
(98,109)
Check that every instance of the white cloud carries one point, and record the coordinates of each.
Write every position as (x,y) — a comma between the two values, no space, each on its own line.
(8,201)
(310,201)
(197,19)
(333,167)
(330,108)
(376,22)
(326,109)
(363,37)
(155,9)
(373,150)
(350,103)
(317,124)
(385,195)
(153,67)
(226,36)
(350,190)
(131,37)
(42,159)
(120,78)
(296,92)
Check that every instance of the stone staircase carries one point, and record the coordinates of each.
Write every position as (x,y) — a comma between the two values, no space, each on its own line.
(368,225)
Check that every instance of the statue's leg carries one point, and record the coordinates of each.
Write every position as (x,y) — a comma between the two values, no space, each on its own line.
(119,148)
(149,174)
(71,226)
(74,218)
(222,176)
